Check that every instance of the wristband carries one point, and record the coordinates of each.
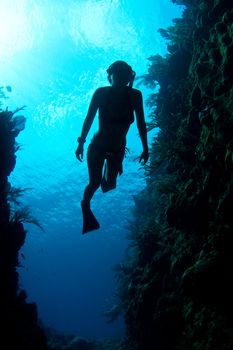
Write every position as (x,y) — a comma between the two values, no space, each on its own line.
(81,140)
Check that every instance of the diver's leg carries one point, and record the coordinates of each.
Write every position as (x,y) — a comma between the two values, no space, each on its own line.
(109,177)
(113,167)
(95,163)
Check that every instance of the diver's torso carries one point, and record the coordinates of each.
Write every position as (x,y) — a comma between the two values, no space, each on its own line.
(111,138)
(116,113)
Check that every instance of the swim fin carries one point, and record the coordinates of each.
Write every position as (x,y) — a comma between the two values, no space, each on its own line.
(90,222)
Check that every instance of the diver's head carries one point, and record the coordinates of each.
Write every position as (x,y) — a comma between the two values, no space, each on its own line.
(120,74)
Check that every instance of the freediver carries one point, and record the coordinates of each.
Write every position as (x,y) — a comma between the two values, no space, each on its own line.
(116,104)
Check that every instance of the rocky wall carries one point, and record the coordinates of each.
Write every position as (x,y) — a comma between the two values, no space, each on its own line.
(176,285)
(19,327)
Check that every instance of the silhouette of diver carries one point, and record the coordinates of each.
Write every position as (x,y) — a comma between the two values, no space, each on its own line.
(116,105)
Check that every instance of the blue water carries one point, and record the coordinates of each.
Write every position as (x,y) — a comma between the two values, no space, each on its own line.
(54,54)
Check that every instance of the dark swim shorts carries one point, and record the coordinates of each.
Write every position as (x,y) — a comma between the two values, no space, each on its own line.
(105,166)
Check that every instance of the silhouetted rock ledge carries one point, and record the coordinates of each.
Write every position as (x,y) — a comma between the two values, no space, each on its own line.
(58,341)
(19,328)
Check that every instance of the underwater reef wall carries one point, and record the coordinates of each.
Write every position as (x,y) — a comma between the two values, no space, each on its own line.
(176,285)
(19,328)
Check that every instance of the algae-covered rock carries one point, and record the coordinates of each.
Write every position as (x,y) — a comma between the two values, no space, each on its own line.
(19,320)
(180,290)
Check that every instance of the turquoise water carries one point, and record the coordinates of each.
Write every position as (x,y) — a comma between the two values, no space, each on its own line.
(54,54)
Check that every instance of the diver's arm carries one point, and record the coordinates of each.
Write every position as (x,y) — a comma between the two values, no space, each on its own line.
(87,125)
(141,125)
(94,104)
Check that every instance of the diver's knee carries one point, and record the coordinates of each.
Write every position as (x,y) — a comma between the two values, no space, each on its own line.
(95,185)
(108,185)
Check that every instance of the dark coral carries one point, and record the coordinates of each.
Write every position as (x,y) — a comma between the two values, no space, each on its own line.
(18,319)
(177,290)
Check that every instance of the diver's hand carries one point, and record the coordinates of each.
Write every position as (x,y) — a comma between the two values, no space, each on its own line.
(79,152)
(144,157)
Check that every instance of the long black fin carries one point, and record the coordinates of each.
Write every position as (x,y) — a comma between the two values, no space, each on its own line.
(90,223)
